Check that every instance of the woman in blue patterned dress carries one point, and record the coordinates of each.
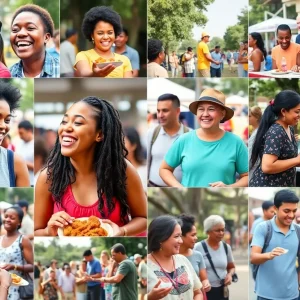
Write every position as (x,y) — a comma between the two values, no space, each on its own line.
(10,251)
(275,145)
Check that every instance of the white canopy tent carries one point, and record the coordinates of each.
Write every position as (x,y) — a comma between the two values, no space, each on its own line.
(271,25)
(159,86)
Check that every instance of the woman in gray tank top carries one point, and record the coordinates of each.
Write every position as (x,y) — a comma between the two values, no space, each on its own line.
(13,170)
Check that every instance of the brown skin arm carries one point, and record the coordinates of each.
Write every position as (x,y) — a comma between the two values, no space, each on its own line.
(274,65)
(137,201)
(28,255)
(21,172)
(43,205)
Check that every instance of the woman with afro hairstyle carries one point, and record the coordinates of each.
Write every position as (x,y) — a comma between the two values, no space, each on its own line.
(12,258)
(13,169)
(87,174)
(31,29)
(101,25)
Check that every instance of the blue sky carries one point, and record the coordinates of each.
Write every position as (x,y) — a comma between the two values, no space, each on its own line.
(220,14)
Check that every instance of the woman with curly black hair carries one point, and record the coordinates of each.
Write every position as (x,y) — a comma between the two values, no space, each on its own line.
(16,252)
(89,155)
(31,29)
(259,53)
(101,25)
(13,170)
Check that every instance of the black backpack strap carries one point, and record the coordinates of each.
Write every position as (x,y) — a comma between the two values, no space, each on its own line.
(203,243)
(268,236)
(225,248)
(11,169)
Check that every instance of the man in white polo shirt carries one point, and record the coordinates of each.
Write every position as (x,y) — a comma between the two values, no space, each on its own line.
(162,137)
(66,284)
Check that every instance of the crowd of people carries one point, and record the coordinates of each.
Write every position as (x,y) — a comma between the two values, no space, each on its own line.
(50,59)
(204,62)
(113,276)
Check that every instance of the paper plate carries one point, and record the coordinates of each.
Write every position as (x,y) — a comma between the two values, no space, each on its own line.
(279,73)
(295,73)
(106,226)
(114,63)
(21,283)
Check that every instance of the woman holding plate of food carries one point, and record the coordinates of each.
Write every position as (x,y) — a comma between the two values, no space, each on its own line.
(87,174)
(11,254)
(100,26)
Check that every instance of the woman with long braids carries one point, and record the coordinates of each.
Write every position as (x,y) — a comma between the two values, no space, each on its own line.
(87,174)
(12,258)
(259,53)
(167,269)
(275,146)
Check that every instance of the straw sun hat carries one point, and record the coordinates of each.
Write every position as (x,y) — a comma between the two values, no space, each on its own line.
(214,96)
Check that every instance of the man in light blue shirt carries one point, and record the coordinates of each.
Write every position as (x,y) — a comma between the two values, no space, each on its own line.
(132,54)
(268,214)
(215,70)
(277,276)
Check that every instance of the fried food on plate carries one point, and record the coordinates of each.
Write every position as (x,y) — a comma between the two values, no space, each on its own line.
(90,227)
(103,60)
(15,278)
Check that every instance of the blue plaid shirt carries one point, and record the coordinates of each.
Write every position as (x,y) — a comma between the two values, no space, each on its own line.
(50,68)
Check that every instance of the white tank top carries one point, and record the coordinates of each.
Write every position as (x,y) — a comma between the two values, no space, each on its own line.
(4,172)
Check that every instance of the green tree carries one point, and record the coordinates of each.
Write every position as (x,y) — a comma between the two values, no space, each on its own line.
(21,193)
(243,20)
(188,43)
(51,6)
(25,85)
(233,36)
(170,20)
(258,7)
(216,41)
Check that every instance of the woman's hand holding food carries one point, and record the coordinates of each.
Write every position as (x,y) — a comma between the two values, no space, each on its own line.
(58,220)
(118,231)
(102,72)
(8,267)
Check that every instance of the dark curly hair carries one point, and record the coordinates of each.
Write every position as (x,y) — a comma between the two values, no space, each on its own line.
(41,12)
(100,13)
(10,94)
(154,48)
(109,161)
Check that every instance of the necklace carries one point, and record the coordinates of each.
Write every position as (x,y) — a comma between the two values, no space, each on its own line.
(174,282)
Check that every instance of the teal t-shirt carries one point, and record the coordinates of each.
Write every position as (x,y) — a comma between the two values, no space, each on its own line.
(207,162)
(127,287)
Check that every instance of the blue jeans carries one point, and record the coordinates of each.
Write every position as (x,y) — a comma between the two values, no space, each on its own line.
(189,74)
(215,72)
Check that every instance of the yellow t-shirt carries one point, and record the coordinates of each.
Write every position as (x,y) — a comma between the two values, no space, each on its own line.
(92,55)
(203,62)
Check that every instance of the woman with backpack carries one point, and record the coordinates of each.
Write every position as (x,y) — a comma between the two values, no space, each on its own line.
(218,258)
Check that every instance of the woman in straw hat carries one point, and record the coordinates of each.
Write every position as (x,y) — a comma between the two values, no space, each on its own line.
(275,146)
(209,156)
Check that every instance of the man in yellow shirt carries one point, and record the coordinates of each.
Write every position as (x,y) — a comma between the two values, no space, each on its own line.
(204,57)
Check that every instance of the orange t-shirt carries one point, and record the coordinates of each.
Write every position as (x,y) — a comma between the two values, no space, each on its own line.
(290,55)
